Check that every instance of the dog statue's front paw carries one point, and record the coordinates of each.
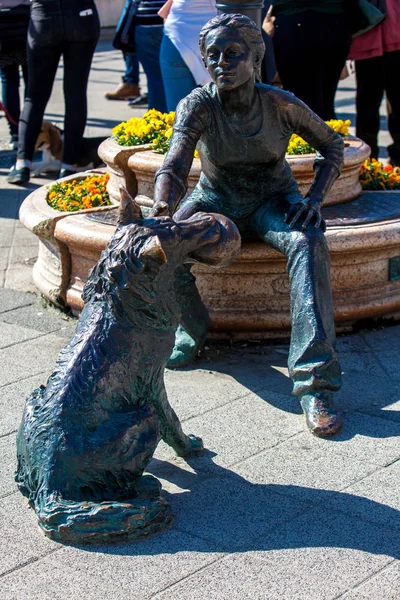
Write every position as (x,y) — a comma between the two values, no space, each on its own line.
(194,445)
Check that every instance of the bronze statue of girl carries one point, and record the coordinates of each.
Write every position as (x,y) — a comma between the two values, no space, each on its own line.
(241,129)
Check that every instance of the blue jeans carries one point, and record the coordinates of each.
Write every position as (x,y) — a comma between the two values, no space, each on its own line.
(148,42)
(131,68)
(177,77)
(10,93)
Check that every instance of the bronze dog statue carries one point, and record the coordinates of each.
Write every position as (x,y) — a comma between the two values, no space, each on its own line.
(87,436)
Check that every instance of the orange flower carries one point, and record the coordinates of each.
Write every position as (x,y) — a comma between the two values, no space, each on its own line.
(388,168)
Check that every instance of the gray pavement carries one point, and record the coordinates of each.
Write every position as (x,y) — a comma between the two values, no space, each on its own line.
(268,512)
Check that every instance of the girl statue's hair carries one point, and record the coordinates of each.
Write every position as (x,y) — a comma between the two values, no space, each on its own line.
(248,30)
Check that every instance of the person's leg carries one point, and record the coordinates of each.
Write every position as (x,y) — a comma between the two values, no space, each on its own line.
(368,100)
(132,68)
(129,88)
(148,42)
(391,64)
(337,36)
(299,64)
(177,77)
(42,66)
(10,96)
(77,61)
(313,364)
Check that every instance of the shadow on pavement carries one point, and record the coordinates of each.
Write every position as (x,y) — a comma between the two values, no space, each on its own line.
(230,514)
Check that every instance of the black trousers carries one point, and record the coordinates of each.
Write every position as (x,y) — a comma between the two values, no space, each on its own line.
(311,49)
(67,28)
(374,77)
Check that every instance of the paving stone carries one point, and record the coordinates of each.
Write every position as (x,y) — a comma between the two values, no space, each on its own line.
(361,391)
(9,202)
(230,511)
(19,277)
(12,334)
(261,373)
(10,299)
(198,391)
(351,343)
(302,467)
(36,316)
(363,437)
(29,358)
(135,571)
(384,585)
(7,465)
(12,401)
(23,238)
(313,556)
(25,255)
(389,411)
(364,362)
(7,232)
(375,498)
(385,344)
(242,428)
(4,256)
(21,539)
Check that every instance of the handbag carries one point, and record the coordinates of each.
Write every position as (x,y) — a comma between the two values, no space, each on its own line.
(365,15)
(125,32)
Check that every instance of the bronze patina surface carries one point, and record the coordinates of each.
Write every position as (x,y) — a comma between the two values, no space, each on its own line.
(87,436)
(241,129)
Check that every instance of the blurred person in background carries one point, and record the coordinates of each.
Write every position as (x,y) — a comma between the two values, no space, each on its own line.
(124,40)
(67,28)
(129,88)
(181,64)
(311,41)
(14,19)
(377,62)
(148,32)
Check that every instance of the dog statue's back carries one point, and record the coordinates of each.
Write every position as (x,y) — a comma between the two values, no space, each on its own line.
(86,438)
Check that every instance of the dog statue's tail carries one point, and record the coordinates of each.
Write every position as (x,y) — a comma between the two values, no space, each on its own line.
(93,523)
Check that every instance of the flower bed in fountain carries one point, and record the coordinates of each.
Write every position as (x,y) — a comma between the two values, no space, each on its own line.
(250,298)
(376,176)
(40,212)
(71,195)
(151,134)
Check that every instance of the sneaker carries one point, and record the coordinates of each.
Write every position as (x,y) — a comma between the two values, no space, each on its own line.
(142,100)
(19,176)
(125,91)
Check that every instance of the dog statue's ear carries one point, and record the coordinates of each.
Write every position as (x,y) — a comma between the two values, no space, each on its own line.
(153,249)
(129,210)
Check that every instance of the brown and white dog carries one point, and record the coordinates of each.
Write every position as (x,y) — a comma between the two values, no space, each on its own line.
(50,143)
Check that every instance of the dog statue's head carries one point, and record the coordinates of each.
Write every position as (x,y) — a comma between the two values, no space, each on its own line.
(136,269)
(206,238)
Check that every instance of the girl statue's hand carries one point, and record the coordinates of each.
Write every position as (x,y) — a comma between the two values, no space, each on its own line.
(309,211)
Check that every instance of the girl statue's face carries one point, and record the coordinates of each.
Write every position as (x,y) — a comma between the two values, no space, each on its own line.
(229,61)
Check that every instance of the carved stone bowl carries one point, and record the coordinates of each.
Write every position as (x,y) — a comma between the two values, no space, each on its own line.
(346,187)
(250,298)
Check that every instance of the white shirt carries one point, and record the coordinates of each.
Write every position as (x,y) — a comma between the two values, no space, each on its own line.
(183,25)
